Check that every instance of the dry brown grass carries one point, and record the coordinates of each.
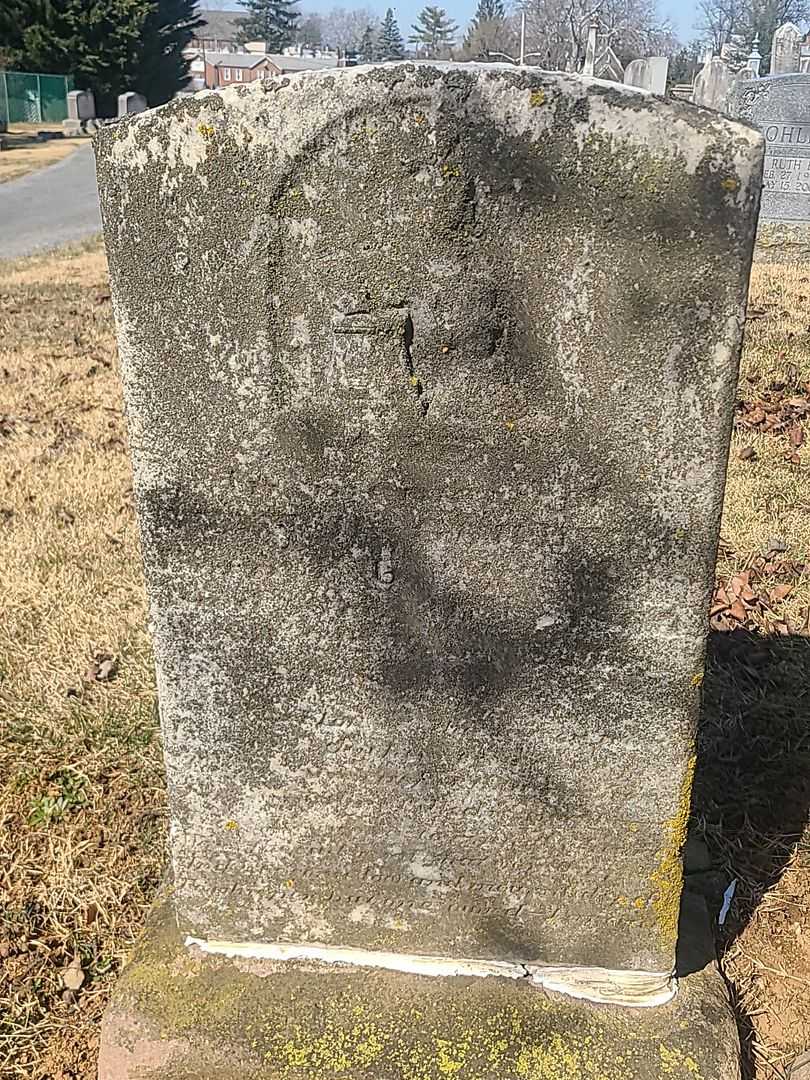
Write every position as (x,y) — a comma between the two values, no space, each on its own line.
(753,783)
(81,787)
(23,154)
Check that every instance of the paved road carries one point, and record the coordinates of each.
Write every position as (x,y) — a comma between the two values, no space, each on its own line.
(53,206)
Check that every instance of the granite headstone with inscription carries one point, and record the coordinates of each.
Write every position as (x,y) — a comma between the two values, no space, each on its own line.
(429,498)
(780,108)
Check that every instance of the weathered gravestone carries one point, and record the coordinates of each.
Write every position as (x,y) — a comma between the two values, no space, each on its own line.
(712,84)
(81,109)
(648,73)
(780,108)
(430,374)
(81,105)
(130,103)
(786,46)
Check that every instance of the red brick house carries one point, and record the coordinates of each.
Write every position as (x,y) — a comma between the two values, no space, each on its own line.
(229,69)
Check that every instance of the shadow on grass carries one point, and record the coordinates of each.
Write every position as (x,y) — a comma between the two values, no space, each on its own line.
(752,784)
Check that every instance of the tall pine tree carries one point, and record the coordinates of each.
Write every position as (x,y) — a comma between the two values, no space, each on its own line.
(489,11)
(367,53)
(108,46)
(487,31)
(433,30)
(272,21)
(167,30)
(392,47)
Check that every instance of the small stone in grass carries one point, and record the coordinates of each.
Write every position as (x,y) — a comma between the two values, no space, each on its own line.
(102,668)
(774,544)
(746,453)
(72,975)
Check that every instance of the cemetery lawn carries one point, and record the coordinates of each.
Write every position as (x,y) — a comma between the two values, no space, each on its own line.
(23,154)
(81,781)
(82,817)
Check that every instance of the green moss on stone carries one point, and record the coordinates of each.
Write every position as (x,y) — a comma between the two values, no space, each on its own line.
(667,878)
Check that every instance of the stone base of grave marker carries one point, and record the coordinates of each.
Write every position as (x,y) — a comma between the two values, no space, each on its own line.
(783,242)
(180,1014)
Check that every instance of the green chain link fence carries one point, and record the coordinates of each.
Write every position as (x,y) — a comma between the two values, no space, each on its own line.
(3,106)
(29,98)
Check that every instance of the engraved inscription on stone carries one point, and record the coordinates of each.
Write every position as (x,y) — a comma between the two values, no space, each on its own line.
(409,482)
(779,107)
(787,157)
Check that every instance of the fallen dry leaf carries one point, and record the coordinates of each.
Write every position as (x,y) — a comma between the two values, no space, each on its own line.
(737,609)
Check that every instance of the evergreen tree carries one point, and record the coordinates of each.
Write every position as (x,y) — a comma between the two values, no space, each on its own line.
(392,47)
(367,53)
(271,21)
(162,69)
(489,11)
(434,30)
(108,46)
(487,31)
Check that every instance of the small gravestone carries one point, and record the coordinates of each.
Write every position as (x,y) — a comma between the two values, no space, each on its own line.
(712,84)
(780,108)
(131,103)
(81,107)
(429,498)
(786,49)
(649,73)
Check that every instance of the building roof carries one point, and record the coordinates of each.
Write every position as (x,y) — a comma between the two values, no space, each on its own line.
(219,25)
(235,59)
(302,63)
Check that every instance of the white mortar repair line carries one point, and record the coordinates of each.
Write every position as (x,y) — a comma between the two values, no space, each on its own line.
(634,989)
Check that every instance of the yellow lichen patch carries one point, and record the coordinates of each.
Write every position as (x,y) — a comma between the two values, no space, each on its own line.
(676,1063)
(537,98)
(451,1056)
(667,878)
(206,130)
(697,680)
(568,1058)
(448,169)
(230,824)
(730,184)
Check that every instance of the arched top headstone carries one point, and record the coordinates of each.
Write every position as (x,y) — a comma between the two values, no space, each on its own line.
(430,374)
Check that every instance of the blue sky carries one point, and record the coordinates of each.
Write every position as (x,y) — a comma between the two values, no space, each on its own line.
(681,13)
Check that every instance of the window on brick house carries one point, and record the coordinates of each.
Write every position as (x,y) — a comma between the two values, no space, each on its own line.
(238,74)
(226,74)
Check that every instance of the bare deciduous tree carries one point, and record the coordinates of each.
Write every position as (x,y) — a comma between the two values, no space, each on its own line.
(558,29)
(343,28)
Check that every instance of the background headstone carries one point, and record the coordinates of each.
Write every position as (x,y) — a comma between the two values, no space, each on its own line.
(712,84)
(786,49)
(131,102)
(411,464)
(649,73)
(81,105)
(780,108)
